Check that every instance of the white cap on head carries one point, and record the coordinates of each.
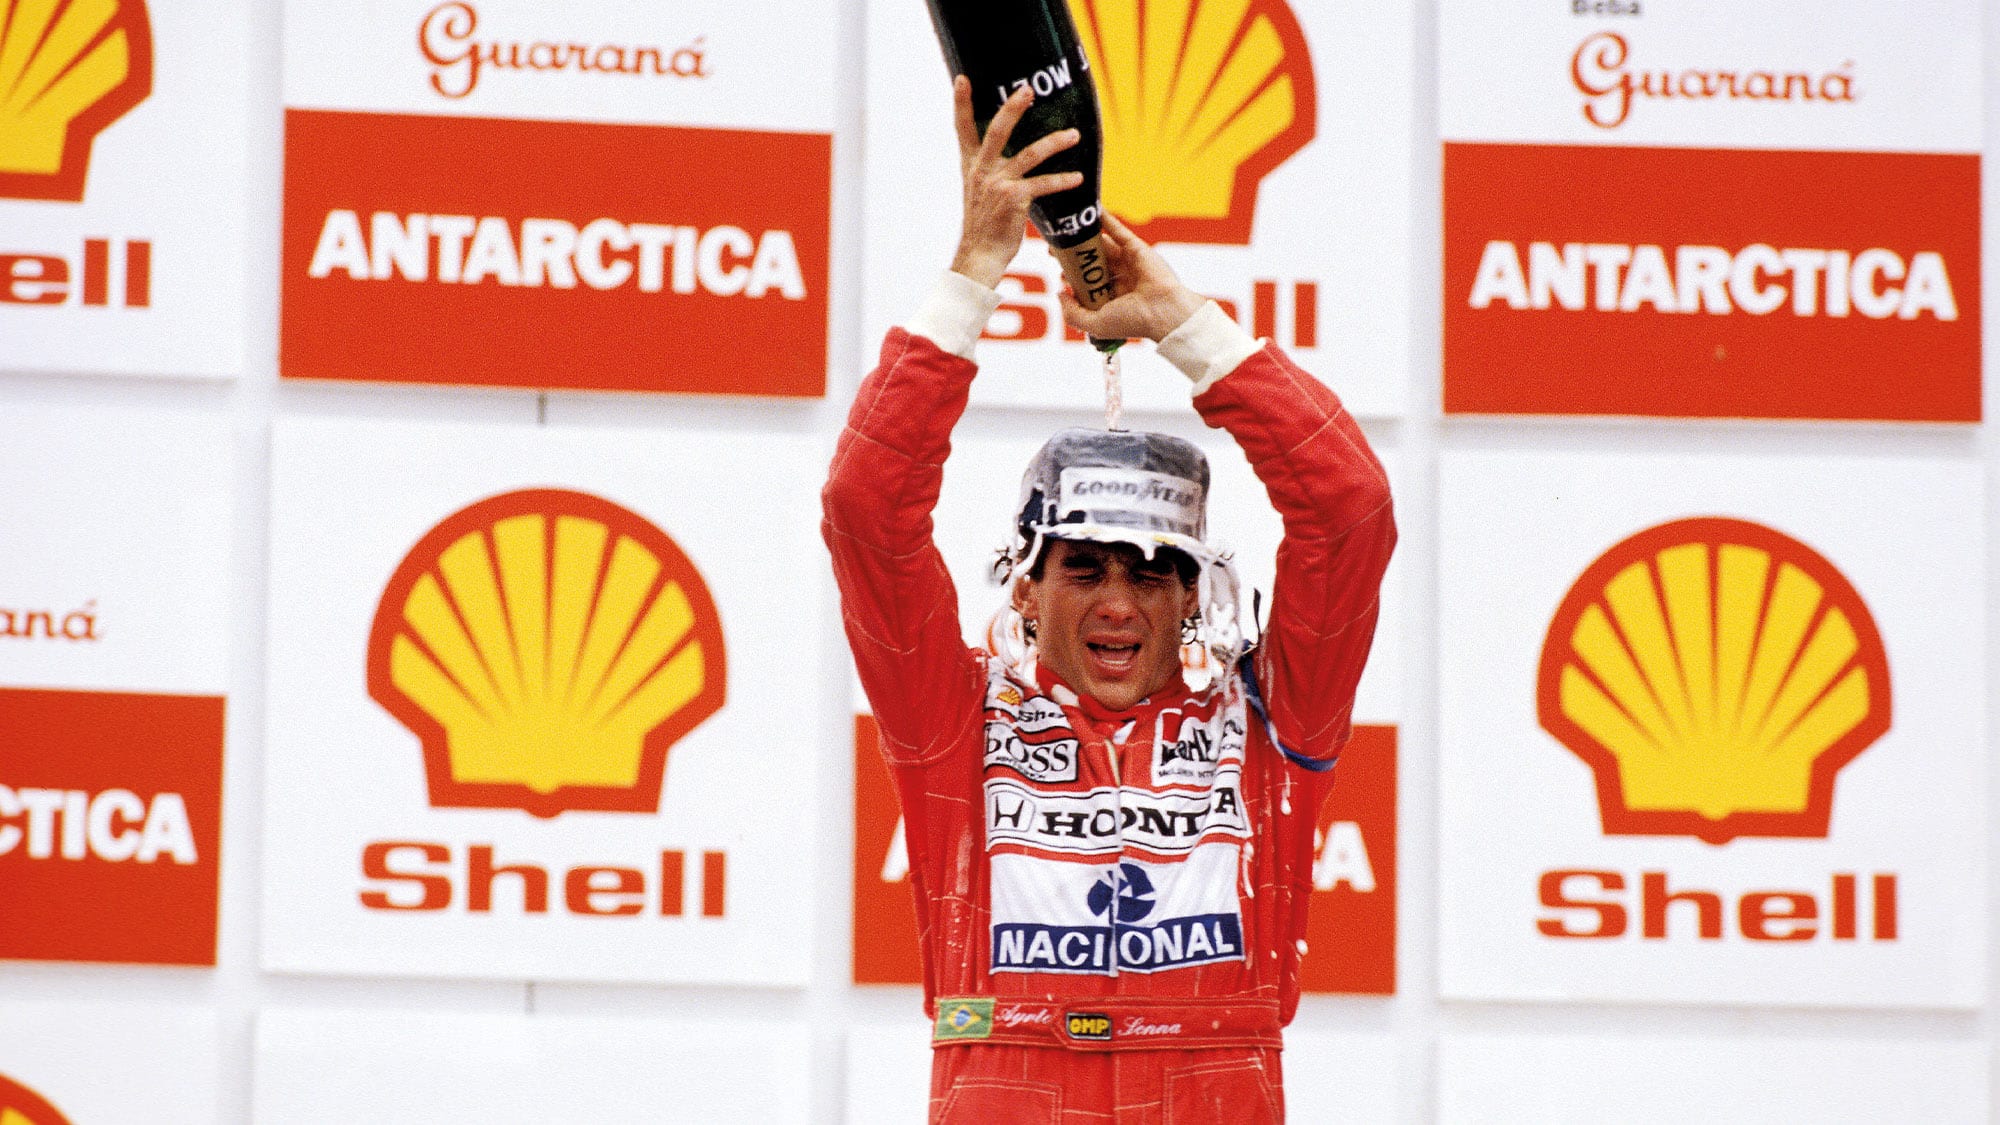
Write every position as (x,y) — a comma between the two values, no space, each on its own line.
(1115,486)
(1123,486)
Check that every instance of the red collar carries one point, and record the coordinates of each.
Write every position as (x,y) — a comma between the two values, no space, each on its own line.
(1048,681)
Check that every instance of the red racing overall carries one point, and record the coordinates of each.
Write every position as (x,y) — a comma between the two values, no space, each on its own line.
(1111,904)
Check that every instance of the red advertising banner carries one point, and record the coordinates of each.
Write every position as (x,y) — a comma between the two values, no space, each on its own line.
(1351,930)
(885,917)
(1350,933)
(110,826)
(1711,283)
(554,254)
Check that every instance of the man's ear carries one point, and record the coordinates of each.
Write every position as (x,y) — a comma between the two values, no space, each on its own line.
(1190,601)
(1024,597)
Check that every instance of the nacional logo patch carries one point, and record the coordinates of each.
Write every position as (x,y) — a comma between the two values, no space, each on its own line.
(1065,917)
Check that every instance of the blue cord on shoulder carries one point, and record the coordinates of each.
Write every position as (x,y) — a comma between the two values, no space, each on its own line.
(1248,666)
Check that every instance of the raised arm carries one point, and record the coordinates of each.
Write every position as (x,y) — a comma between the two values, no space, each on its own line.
(1317,468)
(1339,531)
(897,600)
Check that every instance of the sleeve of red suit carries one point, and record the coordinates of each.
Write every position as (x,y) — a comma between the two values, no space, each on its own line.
(1339,525)
(899,606)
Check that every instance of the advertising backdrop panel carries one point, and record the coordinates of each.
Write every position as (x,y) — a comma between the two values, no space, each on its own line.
(536,703)
(425,1067)
(1712,730)
(114,627)
(1665,1080)
(1266,146)
(1353,920)
(601,196)
(1711,209)
(85,1061)
(114,563)
(122,203)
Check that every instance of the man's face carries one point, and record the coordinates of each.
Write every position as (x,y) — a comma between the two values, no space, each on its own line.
(1107,620)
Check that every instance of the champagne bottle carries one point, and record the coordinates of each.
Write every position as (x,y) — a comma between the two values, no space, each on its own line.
(1001,45)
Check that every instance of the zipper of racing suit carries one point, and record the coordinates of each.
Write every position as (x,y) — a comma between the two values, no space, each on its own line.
(1114,747)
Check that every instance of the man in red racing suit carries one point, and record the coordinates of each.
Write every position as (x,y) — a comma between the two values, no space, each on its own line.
(1111,875)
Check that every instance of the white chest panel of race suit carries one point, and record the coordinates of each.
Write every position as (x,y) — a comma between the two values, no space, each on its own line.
(1140,877)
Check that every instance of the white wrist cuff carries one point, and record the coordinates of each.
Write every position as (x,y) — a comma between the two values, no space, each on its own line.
(954,314)
(1207,346)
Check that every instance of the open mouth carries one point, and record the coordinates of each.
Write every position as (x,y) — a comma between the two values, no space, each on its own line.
(1114,658)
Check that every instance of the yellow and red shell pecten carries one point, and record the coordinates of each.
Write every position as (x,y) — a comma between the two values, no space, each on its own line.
(1715,674)
(547,647)
(1200,100)
(68,68)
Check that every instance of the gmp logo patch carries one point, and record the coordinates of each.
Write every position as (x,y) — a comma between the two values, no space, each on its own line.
(1088,1025)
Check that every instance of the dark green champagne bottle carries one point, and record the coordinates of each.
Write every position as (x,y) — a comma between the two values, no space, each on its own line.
(1000,45)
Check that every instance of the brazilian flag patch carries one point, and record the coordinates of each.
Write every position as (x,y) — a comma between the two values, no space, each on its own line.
(964,1018)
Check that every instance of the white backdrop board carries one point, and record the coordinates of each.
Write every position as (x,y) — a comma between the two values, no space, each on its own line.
(889,1071)
(1701,867)
(1312,253)
(480,59)
(615,843)
(115,619)
(124,248)
(1519,72)
(1658,1079)
(115,539)
(632,189)
(97,1061)
(1709,209)
(424,1067)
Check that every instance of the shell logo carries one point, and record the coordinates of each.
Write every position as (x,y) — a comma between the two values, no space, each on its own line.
(68,69)
(547,647)
(1715,674)
(1201,99)
(22,1106)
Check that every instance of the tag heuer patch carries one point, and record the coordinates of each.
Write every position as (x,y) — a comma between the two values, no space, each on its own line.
(964,1018)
